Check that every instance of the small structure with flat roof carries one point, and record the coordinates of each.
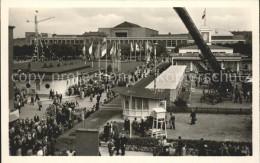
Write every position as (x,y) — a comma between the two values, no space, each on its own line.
(139,100)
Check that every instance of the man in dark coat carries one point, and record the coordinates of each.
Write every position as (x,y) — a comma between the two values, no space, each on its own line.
(179,147)
(172,121)
(193,116)
(106,131)
(127,125)
(123,141)
(36,118)
(142,127)
(117,143)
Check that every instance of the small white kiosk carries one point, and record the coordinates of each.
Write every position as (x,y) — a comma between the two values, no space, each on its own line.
(159,123)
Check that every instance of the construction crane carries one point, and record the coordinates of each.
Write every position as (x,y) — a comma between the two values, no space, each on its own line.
(222,87)
(36,22)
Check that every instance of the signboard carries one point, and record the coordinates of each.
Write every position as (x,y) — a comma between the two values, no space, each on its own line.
(205,36)
(162,104)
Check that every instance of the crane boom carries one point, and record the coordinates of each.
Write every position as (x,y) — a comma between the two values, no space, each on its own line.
(194,32)
(46,19)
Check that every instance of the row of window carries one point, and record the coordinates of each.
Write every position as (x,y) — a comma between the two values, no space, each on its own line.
(137,103)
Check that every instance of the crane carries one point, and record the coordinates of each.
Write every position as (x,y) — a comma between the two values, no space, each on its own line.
(221,86)
(36,22)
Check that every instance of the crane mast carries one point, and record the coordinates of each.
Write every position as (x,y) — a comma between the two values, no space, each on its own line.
(36,22)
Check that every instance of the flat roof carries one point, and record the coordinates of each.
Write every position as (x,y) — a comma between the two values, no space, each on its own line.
(169,79)
(141,92)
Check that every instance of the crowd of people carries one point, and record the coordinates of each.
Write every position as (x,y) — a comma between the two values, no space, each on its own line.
(37,136)
(180,147)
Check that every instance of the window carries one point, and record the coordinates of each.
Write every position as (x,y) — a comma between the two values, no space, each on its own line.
(133,103)
(126,102)
(139,104)
(145,104)
(121,34)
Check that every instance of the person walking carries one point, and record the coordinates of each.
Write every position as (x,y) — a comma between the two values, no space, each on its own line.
(40,105)
(172,121)
(123,141)
(37,97)
(50,95)
(193,116)
(106,131)
(32,100)
(111,147)
(91,97)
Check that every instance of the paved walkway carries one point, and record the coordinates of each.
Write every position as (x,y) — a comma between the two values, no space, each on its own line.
(30,110)
(219,127)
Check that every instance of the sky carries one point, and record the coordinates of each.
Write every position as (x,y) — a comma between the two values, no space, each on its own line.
(165,20)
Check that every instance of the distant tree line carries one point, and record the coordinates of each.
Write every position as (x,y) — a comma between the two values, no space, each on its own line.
(75,50)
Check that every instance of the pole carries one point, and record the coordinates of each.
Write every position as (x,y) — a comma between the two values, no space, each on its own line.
(155,71)
(106,56)
(140,50)
(36,36)
(99,60)
(205,18)
(135,51)
(130,51)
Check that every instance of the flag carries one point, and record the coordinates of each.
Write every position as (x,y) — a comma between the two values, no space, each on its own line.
(90,49)
(103,49)
(136,47)
(97,52)
(132,48)
(204,14)
(84,50)
(150,47)
(112,50)
(118,51)
(113,55)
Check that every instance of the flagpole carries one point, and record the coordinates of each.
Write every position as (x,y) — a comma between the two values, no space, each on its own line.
(130,51)
(140,51)
(99,55)
(106,56)
(135,51)
(118,56)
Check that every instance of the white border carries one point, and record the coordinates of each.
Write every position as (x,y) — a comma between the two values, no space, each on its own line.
(84,4)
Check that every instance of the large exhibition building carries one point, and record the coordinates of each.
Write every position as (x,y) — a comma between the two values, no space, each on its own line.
(128,32)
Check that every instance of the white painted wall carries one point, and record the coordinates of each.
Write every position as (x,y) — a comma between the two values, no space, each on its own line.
(60,86)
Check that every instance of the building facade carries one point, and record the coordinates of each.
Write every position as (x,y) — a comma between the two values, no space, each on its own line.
(127,32)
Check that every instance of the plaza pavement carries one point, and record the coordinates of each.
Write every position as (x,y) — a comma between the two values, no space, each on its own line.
(219,127)
(30,110)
